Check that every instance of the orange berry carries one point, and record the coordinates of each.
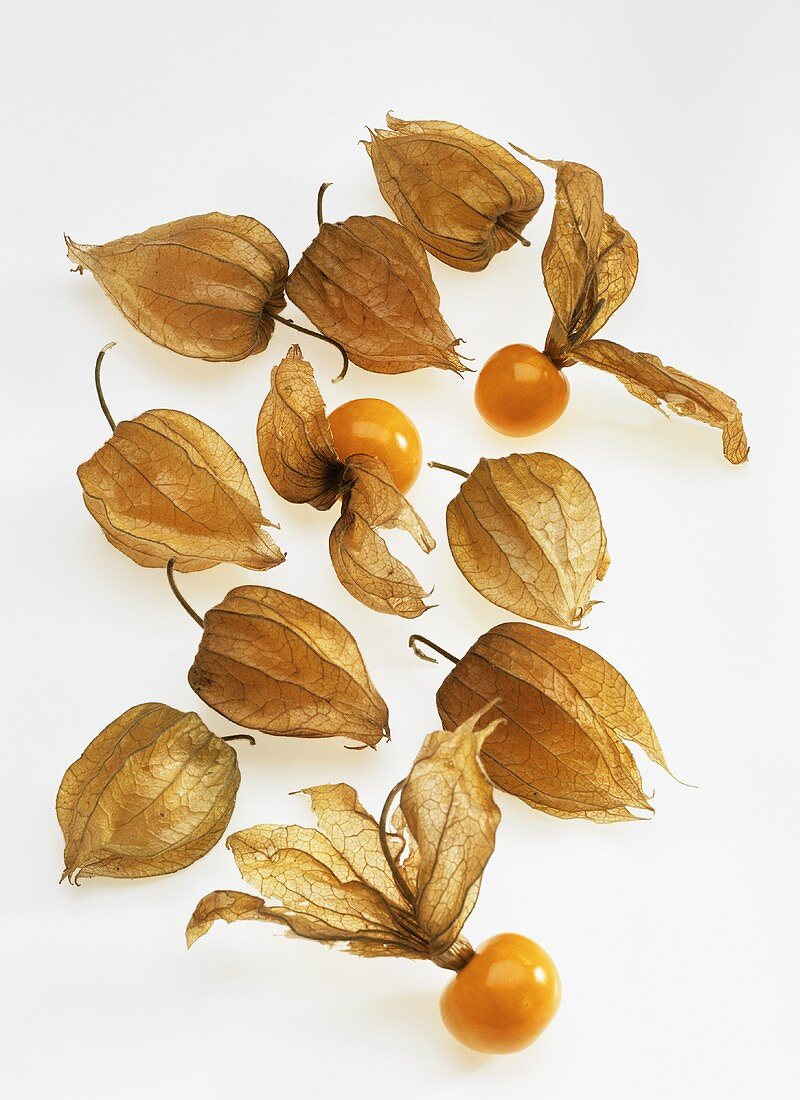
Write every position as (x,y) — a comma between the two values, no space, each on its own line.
(504,997)
(369,426)
(520,391)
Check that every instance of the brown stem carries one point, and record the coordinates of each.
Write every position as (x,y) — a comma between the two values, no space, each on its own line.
(456,956)
(399,881)
(239,737)
(450,469)
(417,639)
(323,188)
(187,607)
(317,336)
(100,395)
(517,236)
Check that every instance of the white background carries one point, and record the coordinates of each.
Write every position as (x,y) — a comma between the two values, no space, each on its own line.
(676,938)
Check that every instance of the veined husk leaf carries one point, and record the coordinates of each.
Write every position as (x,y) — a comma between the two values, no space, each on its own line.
(566,715)
(296,448)
(149,795)
(366,283)
(274,662)
(590,265)
(647,378)
(355,881)
(526,532)
(459,193)
(295,442)
(207,286)
(361,559)
(166,485)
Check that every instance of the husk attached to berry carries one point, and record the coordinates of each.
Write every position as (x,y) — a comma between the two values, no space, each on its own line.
(378,889)
(564,717)
(274,662)
(590,265)
(166,486)
(366,284)
(465,197)
(206,286)
(527,534)
(296,448)
(149,795)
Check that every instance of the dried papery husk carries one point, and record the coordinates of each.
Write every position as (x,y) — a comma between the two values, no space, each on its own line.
(167,486)
(149,795)
(296,448)
(465,197)
(590,265)
(527,534)
(355,881)
(274,662)
(565,717)
(366,283)
(207,286)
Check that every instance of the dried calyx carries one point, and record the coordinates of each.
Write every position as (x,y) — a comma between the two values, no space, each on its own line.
(401,885)
(527,534)
(366,284)
(167,486)
(211,286)
(564,718)
(276,663)
(297,452)
(152,793)
(465,197)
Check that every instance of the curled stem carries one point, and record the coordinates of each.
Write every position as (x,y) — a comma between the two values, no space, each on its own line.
(187,607)
(239,737)
(450,469)
(399,881)
(100,395)
(456,956)
(323,188)
(317,336)
(416,640)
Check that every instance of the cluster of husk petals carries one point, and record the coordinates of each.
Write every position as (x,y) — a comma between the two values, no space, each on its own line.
(590,265)
(297,452)
(465,197)
(149,795)
(400,885)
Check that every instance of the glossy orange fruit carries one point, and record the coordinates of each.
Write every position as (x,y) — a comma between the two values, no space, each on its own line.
(520,391)
(504,997)
(369,426)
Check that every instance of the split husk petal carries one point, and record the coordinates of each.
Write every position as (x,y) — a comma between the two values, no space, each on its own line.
(449,808)
(647,378)
(294,437)
(465,197)
(273,662)
(297,453)
(206,286)
(152,793)
(166,485)
(567,714)
(527,534)
(361,559)
(348,882)
(366,283)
